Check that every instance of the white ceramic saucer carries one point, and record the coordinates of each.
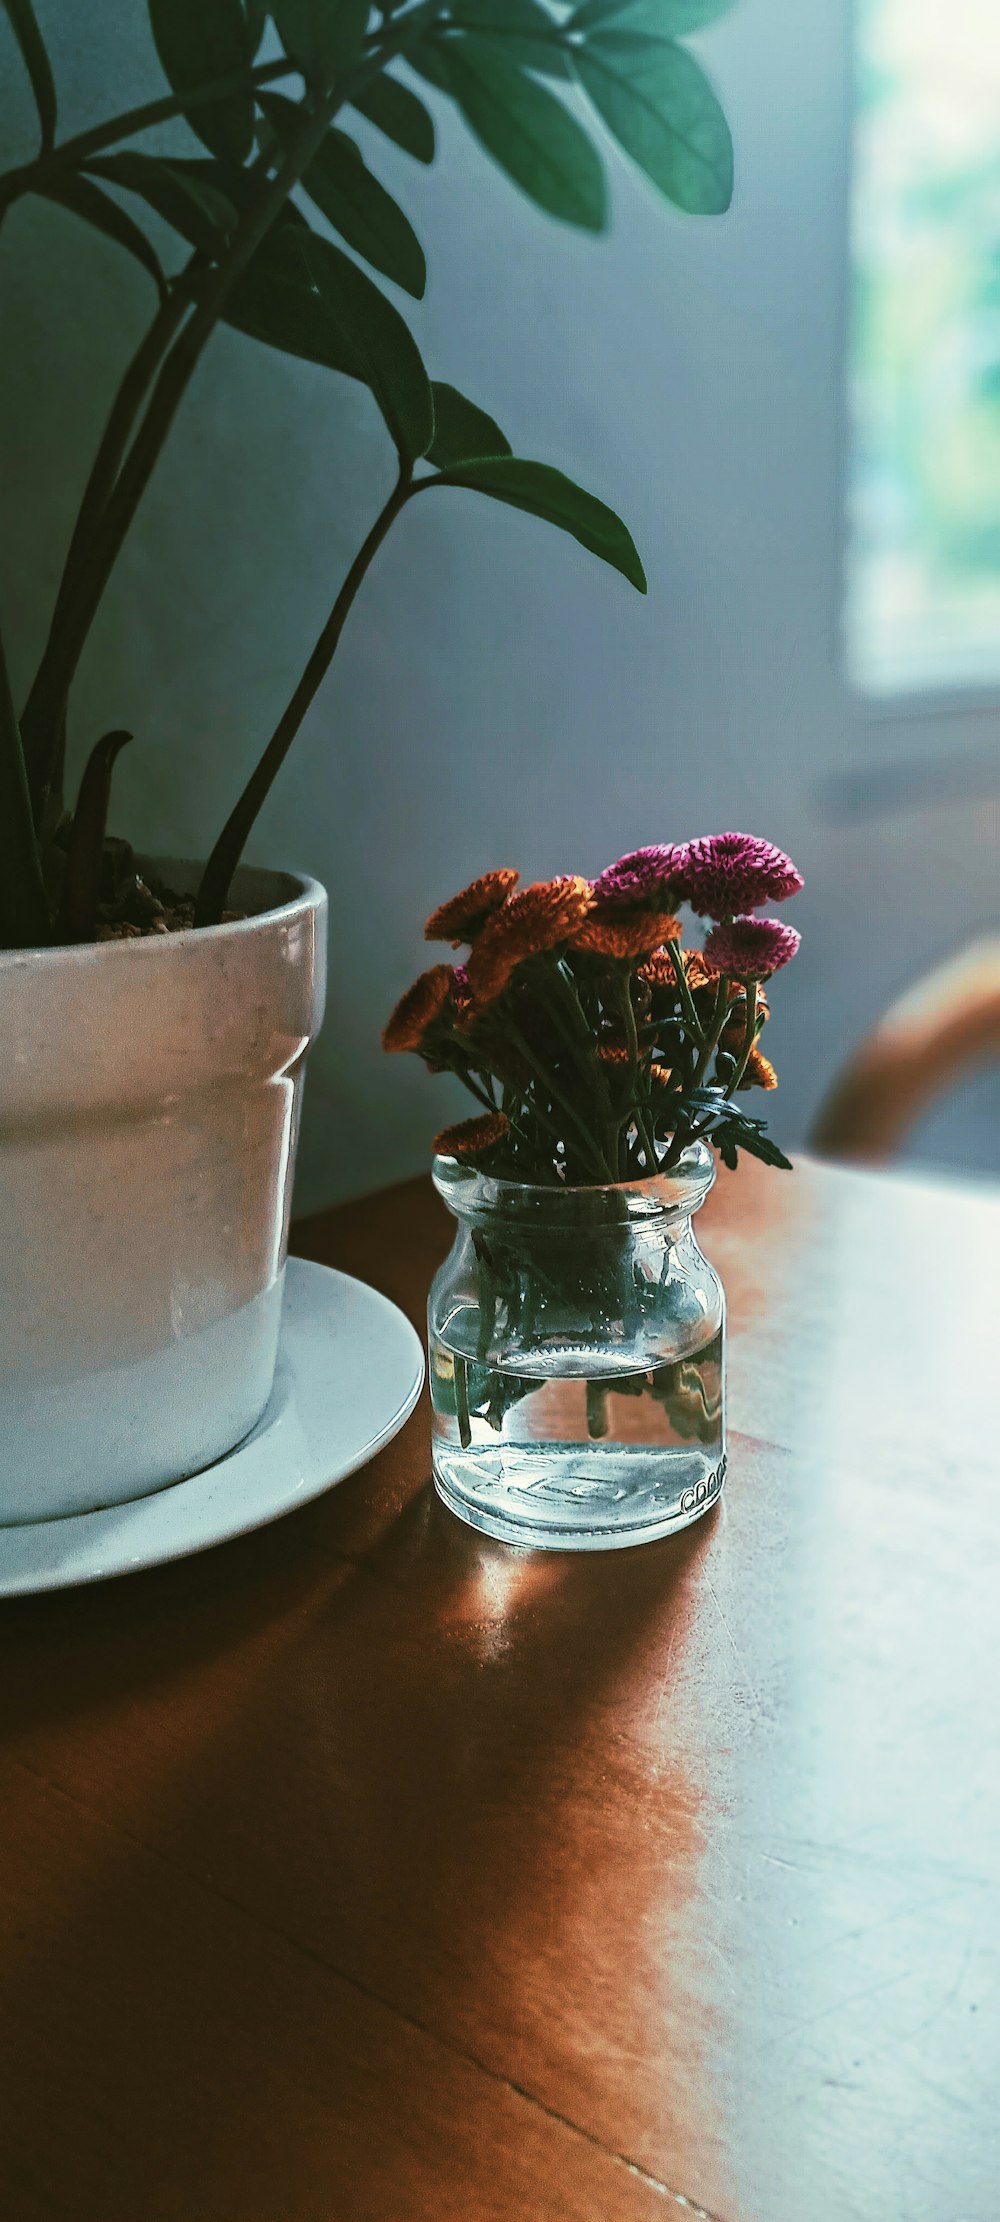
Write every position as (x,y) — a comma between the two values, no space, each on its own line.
(350,1369)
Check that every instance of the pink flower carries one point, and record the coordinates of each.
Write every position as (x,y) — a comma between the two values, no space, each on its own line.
(730,872)
(751,948)
(642,877)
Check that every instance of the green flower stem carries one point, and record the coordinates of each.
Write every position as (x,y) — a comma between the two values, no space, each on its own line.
(633,1072)
(568,1016)
(711,1040)
(559,1096)
(598,1421)
(229,846)
(687,999)
(489,1101)
(750,1035)
(462,1400)
(568,1002)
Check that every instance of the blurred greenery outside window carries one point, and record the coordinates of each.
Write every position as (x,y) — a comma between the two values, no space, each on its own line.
(922,607)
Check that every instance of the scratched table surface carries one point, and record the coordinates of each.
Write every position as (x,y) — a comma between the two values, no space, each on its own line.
(365,1868)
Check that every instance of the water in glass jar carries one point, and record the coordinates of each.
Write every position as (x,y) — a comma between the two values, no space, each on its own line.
(579,1458)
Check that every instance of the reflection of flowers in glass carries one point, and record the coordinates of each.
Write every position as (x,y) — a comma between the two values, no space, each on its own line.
(625,936)
(533,920)
(730,872)
(461,917)
(643,876)
(418,1008)
(751,948)
(470,1137)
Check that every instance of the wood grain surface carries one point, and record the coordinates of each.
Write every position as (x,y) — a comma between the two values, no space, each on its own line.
(365,1870)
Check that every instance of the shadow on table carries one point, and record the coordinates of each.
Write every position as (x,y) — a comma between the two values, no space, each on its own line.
(459,1775)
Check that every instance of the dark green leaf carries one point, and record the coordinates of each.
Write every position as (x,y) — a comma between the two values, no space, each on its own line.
(431,62)
(658,19)
(461,430)
(322,36)
(730,1127)
(757,1143)
(275,301)
(225,180)
(86,199)
(373,332)
(354,202)
(195,208)
(397,112)
(524,127)
(521,32)
(547,493)
(256,15)
(658,104)
(24,25)
(199,41)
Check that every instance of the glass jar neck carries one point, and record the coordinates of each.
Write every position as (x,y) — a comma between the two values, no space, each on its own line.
(638,1204)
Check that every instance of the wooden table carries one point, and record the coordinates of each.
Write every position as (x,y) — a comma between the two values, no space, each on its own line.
(367,1869)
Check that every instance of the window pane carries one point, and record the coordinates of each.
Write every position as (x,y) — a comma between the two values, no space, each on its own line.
(923,571)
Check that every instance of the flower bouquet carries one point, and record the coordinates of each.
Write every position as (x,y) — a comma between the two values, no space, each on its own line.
(576,1329)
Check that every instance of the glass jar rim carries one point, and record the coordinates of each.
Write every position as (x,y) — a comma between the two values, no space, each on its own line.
(680,1189)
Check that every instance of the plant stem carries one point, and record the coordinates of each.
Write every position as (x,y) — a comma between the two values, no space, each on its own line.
(749,1038)
(461,1378)
(47,700)
(567,1003)
(24,911)
(711,1039)
(100,484)
(696,1132)
(48,695)
(687,999)
(76,150)
(605,1171)
(229,846)
(633,1073)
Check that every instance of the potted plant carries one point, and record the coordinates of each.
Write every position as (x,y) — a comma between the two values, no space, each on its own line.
(576,1332)
(156,1013)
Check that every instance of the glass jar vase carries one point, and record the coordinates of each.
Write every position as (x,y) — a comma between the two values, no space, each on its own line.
(576,1358)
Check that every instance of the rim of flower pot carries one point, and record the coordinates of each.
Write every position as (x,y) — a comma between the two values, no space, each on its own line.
(691,1177)
(304,894)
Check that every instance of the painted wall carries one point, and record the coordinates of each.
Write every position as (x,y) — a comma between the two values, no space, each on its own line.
(499,696)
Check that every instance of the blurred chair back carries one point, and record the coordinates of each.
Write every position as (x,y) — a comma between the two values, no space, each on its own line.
(941,1029)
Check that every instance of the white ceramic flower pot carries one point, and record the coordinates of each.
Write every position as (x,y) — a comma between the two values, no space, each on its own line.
(150,1093)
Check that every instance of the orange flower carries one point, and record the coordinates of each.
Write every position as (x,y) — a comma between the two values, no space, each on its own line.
(613,1053)
(760,1072)
(625,937)
(734,1033)
(658,970)
(418,1008)
(461,918)
(699,974)
(536,918)
(471,1136)
(661,1075)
